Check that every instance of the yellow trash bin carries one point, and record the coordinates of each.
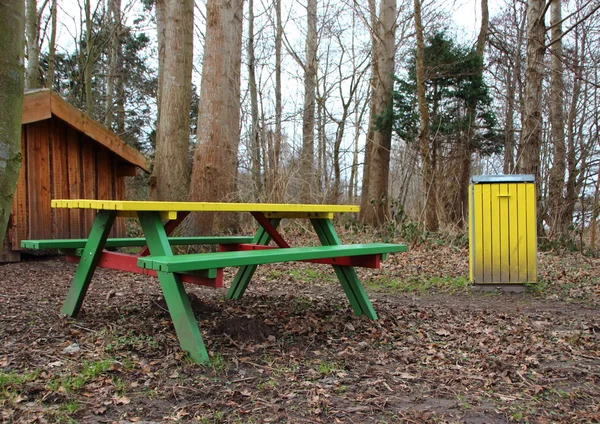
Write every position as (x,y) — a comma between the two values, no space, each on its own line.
(502,231)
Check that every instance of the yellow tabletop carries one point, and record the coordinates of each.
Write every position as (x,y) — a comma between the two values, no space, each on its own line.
(271,210)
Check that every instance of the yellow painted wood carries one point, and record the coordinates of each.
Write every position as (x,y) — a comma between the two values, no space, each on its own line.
(139,206)
(304,215)
(479,237)
(502,233)
(513,244)
(477,234)
(495,232)
(471,235)
(486,213)
(166,215)
(503,246)
(531,233)
(521,228)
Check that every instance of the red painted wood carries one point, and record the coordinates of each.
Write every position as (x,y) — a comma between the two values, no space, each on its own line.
(125,262)
(364,261)
(272,231)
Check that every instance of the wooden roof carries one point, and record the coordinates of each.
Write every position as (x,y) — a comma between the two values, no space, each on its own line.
(39,105)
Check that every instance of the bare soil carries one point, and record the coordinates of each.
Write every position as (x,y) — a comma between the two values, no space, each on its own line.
(292,351)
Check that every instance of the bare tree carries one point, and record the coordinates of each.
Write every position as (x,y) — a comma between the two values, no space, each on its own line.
(529,160)
(308,115)
(557,102)
(52,45)
(255,133)
(215,158)
(274,186)
(114,60)
(170,175)
(427,156)
(381,103)
(32,78)
(89,59)
(278,109)
(365,198)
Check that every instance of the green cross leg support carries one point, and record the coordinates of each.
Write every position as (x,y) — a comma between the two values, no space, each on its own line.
(346,275)
(244,275)
(89,261)
(177,300)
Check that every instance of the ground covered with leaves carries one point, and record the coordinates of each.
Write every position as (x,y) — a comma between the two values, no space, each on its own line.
(292,351)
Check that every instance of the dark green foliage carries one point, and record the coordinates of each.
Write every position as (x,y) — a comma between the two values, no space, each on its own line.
(138,75)
(454,90)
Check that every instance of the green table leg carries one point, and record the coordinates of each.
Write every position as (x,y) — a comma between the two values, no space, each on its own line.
(177,300)
(346,274)
(89,261)
(244,275)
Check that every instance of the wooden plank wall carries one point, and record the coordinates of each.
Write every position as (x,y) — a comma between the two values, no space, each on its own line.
(119,187)
(60,162)
(60,177)
(74,181)
(38,180)
(88,178)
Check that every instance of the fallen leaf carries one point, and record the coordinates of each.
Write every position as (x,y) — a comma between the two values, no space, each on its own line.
(99,411)
(122,400)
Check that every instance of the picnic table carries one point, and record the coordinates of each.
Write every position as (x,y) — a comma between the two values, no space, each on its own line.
(159,219)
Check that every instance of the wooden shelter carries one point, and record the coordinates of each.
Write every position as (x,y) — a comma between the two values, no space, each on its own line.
(66,155)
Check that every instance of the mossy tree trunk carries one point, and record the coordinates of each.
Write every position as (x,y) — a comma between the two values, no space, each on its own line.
(12,38)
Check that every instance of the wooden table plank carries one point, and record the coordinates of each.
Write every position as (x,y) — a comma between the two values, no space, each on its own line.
(128,205)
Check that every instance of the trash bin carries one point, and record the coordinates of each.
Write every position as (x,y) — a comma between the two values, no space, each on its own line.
(502,231)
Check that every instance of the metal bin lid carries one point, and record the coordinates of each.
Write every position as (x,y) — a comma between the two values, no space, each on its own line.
(499,179)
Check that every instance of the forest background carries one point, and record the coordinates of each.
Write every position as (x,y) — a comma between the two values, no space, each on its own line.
(388,104)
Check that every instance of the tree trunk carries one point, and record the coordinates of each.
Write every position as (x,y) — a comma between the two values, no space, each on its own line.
(427,156)
(365,199)
(114,60)
(89,60)
(307,157)
(278,185)
(512,94)
(381,101)
(532,124)
(595,210)
(458,210)
(465,169)
(215,158)
(358,117)
(160,40)
(32,78)
(255,141)
(573,171)
(170,175)
(557,172)
(12,31)
(274,185)
(52,46)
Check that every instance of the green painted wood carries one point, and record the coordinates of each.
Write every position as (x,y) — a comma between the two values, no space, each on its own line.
(89,261)
(182,263)
(359,301)
(137,241)
(176,298)
(244,275)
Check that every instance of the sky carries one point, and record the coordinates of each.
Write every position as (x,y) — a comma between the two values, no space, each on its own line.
(467,15)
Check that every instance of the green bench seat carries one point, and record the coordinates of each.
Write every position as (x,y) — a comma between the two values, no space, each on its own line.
(200,261)
(132,242)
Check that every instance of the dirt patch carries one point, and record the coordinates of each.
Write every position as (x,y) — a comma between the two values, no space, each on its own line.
(244,329)
(292,351)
